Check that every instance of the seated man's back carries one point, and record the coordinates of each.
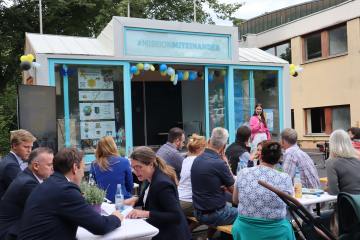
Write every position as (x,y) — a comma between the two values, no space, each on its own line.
(56,208)
(210,179)
(13,202)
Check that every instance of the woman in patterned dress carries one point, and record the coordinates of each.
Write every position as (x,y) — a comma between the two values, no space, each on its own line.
(262,214)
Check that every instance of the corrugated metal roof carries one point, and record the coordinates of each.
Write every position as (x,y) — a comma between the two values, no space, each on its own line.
(68,45)
(56,44)
(258,55)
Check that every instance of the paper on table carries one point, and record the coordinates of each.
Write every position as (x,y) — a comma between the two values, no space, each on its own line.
(110,208)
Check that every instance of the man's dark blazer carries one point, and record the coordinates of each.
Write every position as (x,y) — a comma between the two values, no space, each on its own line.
(165,212)
(9,169)
(13,202)
(56,208)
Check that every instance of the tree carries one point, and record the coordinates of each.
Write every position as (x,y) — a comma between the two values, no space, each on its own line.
(77,18)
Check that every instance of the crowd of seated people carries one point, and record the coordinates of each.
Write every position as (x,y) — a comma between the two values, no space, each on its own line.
(41,199)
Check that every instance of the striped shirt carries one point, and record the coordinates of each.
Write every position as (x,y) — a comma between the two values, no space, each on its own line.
(294,158)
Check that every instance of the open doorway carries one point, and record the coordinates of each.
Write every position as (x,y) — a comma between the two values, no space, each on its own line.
(159,103)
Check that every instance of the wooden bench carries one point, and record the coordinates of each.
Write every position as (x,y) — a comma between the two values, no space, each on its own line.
(225,228)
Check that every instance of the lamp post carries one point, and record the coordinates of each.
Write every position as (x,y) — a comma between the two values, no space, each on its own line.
(40,17)
(194,10)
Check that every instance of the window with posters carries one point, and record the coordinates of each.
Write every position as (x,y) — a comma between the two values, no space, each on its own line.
(90,102)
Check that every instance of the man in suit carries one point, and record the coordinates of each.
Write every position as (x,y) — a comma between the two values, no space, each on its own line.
(11,165)
(56,208)
(12,204)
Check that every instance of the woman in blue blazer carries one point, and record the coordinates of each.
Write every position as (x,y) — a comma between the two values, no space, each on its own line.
(160,201)
(109,169)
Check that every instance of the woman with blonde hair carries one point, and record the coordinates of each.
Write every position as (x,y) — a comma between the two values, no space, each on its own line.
(195,146)
(109,169)
(343,165)
(160,201)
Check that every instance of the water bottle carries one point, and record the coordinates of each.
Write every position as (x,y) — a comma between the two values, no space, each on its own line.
(297,184)
(119,198)
(91,180)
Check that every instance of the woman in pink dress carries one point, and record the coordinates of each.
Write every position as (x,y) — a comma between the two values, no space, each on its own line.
(259,130)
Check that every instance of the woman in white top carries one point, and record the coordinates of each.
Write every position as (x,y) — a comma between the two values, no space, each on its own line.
(195,147)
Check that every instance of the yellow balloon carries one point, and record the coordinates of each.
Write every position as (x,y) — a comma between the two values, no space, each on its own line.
(140,66)
(23,58)
(152,68)
(137,72)
(292,67)
(172,77)
(186,75)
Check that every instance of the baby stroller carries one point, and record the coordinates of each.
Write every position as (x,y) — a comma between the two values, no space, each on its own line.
(349,216)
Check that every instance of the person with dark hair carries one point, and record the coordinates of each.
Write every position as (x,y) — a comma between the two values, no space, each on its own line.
(260,211)
(239,149)
(56,208)
(295,158)
(258,126)
(170,150)
(354,133)
(12,203)
(160,201)
(21,142)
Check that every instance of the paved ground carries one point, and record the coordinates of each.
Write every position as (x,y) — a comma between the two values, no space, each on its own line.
(318,158)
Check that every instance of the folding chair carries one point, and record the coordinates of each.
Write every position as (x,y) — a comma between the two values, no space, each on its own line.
(310,227)
(349,216)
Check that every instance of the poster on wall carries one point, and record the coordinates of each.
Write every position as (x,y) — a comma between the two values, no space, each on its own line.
(89,96)
(269,115)
(98,129)
(96,111)
(95,78)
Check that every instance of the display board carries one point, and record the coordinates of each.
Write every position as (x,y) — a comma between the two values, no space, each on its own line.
(37,113)
(96,103)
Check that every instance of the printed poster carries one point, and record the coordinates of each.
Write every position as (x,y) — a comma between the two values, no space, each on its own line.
(269,116)
(95,78)
(90,96)
(96,130)
(96,111)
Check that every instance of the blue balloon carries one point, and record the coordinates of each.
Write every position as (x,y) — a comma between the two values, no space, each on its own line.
(193,76)
(163,67)
(180,76)
(133,69)
(211,77)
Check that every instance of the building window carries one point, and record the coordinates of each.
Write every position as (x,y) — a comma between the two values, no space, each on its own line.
(282,50)
(329,42)
(337,40)
(292,119)
(313,46)
(327,119)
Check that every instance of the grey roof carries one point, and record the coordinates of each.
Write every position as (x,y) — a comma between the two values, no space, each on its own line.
(68,45)
(56,44)
(258,55)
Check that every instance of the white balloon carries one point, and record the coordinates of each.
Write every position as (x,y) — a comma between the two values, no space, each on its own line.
(147,66)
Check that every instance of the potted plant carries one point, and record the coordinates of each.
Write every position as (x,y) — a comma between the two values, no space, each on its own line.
(93,195)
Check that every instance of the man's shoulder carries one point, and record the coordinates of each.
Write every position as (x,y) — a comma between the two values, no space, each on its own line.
(8,159)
